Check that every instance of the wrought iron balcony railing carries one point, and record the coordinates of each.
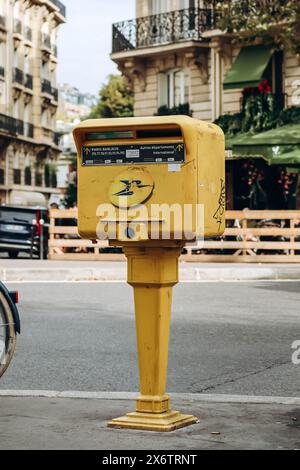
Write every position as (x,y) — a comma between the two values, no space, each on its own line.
(11,125)
(18,76)
(28,81)
(164,28)
(46,87)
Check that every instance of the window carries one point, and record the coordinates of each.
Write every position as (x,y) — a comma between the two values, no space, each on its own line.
(38,179)
(28,176)
(26,64)
(16,59)
(2,176)
(45,118)
(17,176)
(2,54)
(174,88)
(45,70)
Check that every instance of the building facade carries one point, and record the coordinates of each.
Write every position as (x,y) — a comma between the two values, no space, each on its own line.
(73,105)
(173,54)
(179,60)
(28,98)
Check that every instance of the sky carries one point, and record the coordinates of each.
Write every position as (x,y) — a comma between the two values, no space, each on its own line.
(85,41)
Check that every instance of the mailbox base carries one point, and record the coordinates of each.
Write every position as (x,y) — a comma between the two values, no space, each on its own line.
(153,271)
(161,422)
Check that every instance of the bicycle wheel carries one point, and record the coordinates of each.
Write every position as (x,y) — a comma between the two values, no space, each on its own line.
(7,334)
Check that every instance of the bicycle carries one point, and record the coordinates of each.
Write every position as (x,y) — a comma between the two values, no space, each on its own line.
(9,326)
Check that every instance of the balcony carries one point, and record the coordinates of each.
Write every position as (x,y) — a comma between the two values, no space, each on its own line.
(28,83)
(46,87)
(164,28)
(18,76)
(11,125)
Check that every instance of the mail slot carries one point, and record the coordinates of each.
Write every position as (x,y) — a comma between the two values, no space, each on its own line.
(150,178)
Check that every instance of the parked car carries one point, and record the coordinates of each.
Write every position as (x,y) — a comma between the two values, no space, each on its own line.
(24,229)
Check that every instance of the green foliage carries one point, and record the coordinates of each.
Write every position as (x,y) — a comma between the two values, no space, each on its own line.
(289,116)
(230,123)
(115,99)
(274,21)
(260,112)
(181,109)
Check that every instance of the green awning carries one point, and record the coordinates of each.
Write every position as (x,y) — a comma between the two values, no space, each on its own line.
(249,67)
(280,146)
(284,135)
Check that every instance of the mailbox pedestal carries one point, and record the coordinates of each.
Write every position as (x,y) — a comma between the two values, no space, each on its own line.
(153,271)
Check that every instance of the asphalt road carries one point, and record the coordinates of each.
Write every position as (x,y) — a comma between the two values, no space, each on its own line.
(225,338)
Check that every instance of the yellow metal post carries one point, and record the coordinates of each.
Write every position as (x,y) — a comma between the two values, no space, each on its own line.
(153,272)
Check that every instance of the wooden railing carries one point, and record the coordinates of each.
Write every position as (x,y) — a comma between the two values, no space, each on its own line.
(250,236)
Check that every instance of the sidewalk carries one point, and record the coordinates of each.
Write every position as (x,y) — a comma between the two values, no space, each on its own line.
(58,422)
(75,271)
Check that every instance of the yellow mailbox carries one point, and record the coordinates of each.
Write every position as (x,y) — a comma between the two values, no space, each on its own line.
(150,185)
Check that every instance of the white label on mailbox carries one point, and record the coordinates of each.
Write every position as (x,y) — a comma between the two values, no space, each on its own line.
(174,167)
(133,153)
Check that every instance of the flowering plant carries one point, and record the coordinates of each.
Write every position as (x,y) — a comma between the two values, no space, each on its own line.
(264,87)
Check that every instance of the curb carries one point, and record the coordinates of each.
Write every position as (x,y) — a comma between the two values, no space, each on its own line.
(205,398)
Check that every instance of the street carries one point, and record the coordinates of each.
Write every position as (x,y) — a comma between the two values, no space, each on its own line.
(230,337)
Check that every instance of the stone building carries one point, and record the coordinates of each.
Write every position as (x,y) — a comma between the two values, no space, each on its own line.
(176,57)
(28,99)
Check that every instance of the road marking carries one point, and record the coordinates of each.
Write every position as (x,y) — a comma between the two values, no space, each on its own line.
(202,397)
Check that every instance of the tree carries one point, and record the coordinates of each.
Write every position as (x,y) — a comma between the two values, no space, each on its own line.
(115,99)
(276,22)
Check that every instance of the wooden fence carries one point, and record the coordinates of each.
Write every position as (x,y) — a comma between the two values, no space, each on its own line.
(251,237)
